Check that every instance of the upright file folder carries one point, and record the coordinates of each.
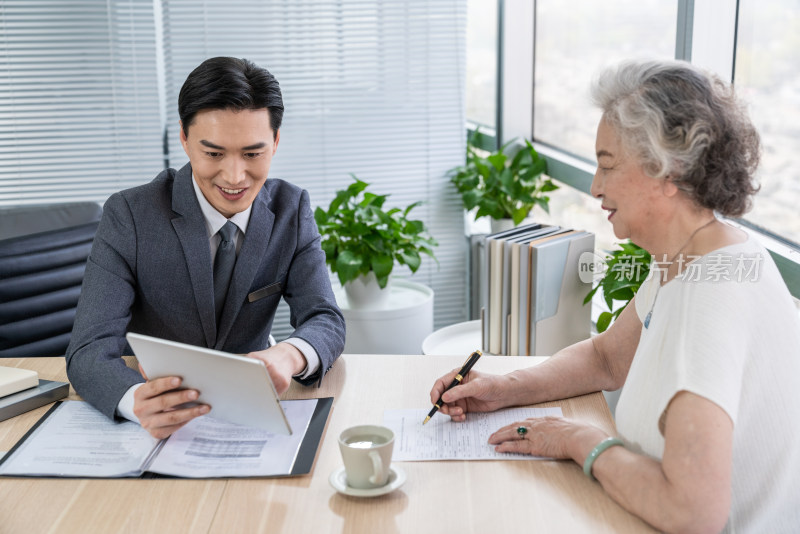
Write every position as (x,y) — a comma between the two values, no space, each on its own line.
(510,287)
(494,319)
(530,292)
(558,316)
(514,293)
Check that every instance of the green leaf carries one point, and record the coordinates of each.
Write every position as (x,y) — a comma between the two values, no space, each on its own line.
(414,227)
(471,198)
(548,186)
(622,293)
(369,198)
(544,203)
(607,297)
(483,170)
(490,206)
(603,321)
(483,211)
(515,163)
(348,265)
(372,201)
(329,248)
(374,242)
(320,217)
(427,251)
(412,259)
(341,198)
(467,182)
(539,166)
(411,207)
(520,214)
(507,179)
(498,160)
(590,294)
(357,187)
(382,265)
(382,281)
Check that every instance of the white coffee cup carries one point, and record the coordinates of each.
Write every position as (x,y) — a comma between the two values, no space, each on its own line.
(367,454)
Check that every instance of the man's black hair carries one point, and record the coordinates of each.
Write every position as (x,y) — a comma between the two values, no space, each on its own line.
(230,83)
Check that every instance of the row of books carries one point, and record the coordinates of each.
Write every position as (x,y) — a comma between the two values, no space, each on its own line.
(531,293)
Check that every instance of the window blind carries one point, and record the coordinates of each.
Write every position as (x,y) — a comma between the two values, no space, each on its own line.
(79,114)
(374,88)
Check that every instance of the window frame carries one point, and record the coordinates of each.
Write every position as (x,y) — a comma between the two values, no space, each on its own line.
(706,36)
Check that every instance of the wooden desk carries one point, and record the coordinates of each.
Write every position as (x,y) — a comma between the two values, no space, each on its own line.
(467,497)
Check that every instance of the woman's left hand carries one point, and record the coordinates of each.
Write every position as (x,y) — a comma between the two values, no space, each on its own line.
(553,437)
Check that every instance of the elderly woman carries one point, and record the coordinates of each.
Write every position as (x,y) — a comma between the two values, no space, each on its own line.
(708,355)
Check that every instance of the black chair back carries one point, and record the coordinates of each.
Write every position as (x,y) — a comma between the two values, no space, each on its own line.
(40,282)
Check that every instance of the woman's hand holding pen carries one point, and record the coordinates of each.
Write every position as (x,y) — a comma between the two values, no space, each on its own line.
(478,392)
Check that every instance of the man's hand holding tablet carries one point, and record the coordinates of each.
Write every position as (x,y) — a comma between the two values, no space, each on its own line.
(234,388)
(162,406)
(283,361)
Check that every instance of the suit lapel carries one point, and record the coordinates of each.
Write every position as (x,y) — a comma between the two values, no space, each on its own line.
(251,255)
(190,226)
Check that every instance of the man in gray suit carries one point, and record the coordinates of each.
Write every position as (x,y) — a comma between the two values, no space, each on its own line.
(202,255)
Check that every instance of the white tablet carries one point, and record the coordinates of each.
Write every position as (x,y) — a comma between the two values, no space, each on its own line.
(237,388)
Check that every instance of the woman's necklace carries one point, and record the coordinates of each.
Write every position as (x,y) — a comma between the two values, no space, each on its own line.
(669,264)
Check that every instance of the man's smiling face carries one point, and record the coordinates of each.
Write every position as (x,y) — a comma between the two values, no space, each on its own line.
(230,152)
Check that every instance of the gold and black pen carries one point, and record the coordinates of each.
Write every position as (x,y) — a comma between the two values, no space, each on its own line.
(456,381)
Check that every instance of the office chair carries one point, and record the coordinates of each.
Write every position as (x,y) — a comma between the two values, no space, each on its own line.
(43,253)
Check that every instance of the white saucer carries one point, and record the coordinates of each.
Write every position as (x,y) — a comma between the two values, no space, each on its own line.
(338,480)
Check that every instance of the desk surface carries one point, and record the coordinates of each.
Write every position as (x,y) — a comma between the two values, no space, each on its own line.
(475,496)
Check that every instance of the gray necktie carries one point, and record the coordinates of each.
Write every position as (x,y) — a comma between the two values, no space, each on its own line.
(223,265)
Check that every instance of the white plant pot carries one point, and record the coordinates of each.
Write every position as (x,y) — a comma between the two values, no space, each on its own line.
(364,293)
(501,225)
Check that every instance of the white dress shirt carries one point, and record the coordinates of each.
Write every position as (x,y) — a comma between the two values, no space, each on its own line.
(214,221)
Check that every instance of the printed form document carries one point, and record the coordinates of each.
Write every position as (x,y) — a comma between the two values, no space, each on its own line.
(443,439)
(76,440)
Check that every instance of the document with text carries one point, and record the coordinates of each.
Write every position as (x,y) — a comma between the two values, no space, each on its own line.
(443,439)
(75,440)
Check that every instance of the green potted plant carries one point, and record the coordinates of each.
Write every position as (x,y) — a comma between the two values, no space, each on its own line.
(501,186)
(362,242)
(625,270)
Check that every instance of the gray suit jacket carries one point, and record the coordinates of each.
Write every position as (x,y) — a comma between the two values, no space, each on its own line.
(150,271)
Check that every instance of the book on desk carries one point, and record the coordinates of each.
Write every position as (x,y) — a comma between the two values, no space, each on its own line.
(21,391)
(74,440)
